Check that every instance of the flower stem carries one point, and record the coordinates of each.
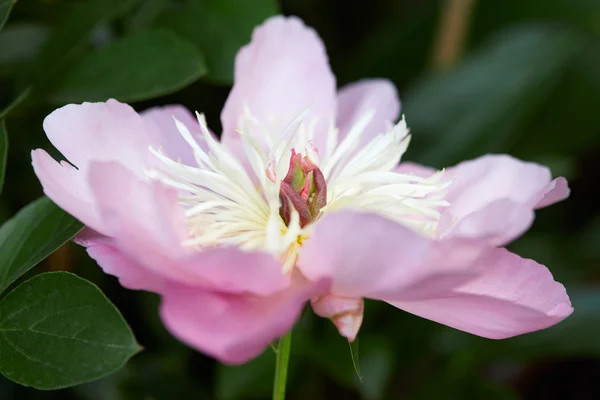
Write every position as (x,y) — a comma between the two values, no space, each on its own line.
(281,366)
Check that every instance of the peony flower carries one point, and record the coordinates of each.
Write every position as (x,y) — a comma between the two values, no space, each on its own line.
(303,199)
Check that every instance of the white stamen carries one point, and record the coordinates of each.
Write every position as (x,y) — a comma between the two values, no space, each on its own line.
(228,205)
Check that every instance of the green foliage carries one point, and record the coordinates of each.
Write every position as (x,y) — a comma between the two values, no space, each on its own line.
(20,43)
(59,330)
(71,34)
(5,7)
(141,66)
(30,236)
(463,113)
(3,152)
(219,28)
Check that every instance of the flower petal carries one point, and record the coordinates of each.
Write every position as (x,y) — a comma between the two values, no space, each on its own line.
(143,217)
(346,313)
(233,328)
(497,188)
(555,191)
(357,99)
(366,255)
(232,270)
(511,297)
(147,224)
(113,262)
(410,168)
(278,75)
(499,222)
(160,125)
(67,187)
(110,131)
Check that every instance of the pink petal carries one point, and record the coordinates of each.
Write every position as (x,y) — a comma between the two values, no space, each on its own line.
(357,99)
(410,168)
(113,262)
(109,131)
(160,125)
(67,187)
(278,75)
(143,217)
(511,297)
(345,312)
(233,270)
(499,223)
(491,188)
(147,224)
(555,191)
(366,255)
(233,328)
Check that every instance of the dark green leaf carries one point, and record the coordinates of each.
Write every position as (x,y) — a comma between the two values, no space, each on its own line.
(3,152)
(144,65)
(30,236)
(146,13)
(476,108)
(72,33)
(5,7)
(220,28)
(20,42)
(59,330)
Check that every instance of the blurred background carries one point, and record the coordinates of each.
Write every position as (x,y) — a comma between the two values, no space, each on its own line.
(474,76)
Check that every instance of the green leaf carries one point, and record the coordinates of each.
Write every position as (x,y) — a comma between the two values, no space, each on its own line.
(32,235)
(5,7)
(146,13)
(3,152)
(21,42)
(141,66)
(59,330)
(477,107)
(71,35)
(219,28)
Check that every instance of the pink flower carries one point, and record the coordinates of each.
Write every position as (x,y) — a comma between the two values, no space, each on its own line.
(303,199)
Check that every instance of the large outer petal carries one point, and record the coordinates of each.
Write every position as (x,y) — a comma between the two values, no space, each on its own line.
(110,131)
(148,225)
(278,75)
(234,328)
(493,196)
(105,252)
(512,296)
(478,182)
(357,99)
(66,186)
(366,255)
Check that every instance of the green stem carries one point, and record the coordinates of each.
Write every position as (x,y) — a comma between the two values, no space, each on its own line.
(281,367)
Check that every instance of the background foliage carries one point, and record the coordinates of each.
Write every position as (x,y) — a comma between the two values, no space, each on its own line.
(526,82)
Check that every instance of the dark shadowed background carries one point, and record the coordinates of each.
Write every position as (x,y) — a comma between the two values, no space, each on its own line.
(474,76)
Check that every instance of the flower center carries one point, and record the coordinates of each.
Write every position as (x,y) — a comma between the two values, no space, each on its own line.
(303,189)
(268,196)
